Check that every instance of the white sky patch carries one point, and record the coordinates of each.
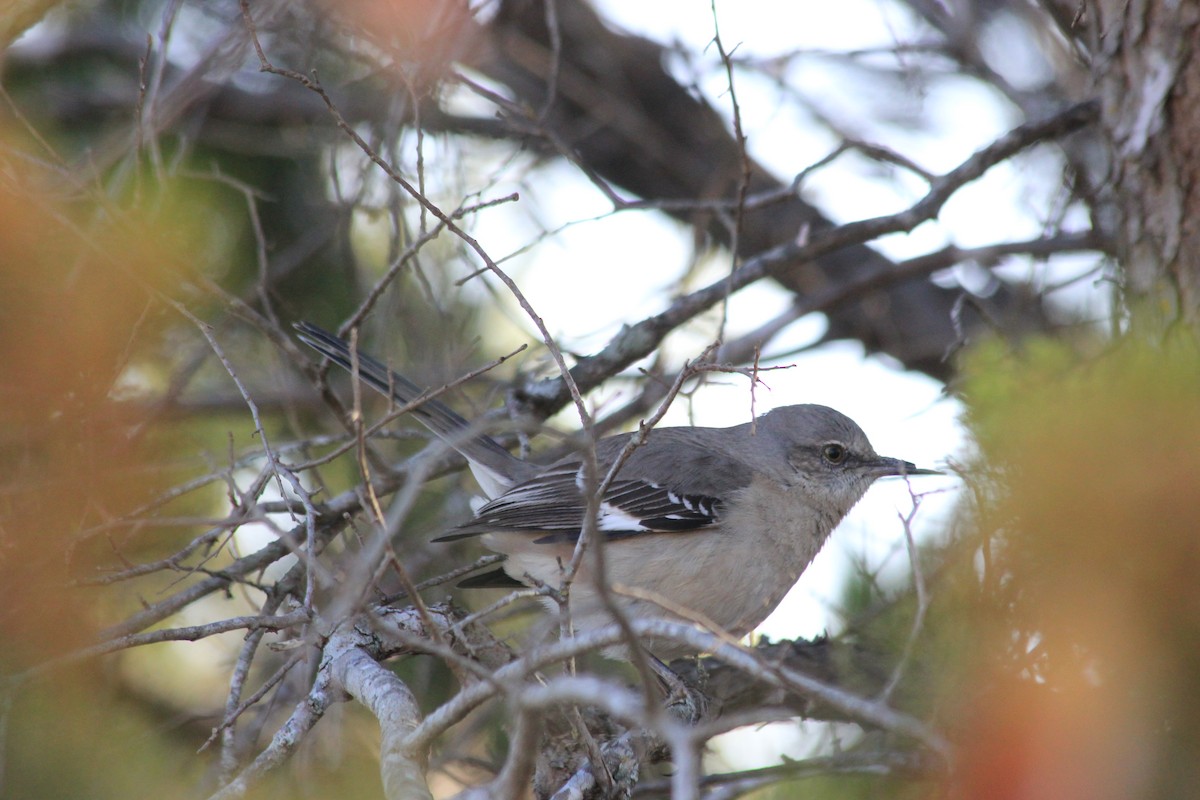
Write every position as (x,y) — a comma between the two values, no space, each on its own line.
(253,536)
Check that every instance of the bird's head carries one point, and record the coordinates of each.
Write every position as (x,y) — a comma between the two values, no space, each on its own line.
(826,454)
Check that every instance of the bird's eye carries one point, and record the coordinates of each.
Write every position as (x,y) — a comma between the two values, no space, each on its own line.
(834,453)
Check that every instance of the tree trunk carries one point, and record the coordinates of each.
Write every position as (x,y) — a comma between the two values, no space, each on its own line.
(1148,71)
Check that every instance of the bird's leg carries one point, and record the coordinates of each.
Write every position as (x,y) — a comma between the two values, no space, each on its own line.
(680,700)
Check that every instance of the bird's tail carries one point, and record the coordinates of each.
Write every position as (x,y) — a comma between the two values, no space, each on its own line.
(495,468)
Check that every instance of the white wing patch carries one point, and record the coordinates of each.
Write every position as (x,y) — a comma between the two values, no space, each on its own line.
(615,518)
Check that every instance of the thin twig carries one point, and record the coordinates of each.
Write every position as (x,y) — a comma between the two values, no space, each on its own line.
(914,559)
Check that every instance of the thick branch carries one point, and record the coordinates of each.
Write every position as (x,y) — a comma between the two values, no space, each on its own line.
(390,700)
(638,341)
(625,120)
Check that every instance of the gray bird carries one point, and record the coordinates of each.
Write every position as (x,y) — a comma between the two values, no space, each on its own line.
(717,522)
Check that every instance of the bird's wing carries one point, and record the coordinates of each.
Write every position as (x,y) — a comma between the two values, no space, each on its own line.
(642,499)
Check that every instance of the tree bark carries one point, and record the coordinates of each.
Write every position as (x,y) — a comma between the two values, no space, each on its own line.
(1148,72)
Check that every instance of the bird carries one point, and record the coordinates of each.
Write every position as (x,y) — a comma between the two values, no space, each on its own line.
(709,525)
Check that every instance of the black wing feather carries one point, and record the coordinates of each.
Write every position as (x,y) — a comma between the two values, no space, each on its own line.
(553,504)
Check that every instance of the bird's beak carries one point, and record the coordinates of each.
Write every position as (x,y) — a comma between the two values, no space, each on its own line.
(883,467)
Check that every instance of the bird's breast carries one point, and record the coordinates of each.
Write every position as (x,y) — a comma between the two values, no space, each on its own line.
(732,574)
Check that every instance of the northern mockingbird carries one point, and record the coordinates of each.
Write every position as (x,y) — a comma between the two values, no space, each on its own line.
(718,523)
